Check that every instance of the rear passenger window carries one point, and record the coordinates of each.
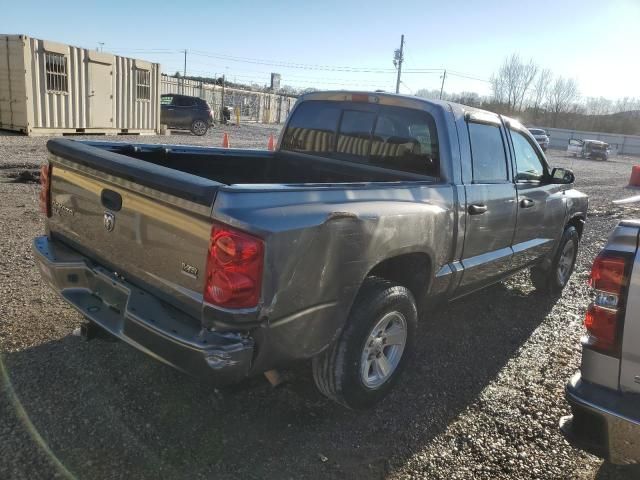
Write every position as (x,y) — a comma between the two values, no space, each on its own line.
(312,128)
(354,137)
(488,156)
(184,101)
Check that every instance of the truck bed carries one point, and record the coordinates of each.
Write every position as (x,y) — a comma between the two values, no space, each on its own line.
(223,166)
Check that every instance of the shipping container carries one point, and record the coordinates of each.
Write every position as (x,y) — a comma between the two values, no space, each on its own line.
(49,88)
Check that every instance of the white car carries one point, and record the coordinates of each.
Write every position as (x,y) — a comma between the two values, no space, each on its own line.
(588,148)
(541,136)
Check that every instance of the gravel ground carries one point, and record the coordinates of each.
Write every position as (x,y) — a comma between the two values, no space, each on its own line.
(481,399)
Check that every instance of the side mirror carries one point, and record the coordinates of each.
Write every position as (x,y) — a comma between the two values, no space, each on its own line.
(562,176)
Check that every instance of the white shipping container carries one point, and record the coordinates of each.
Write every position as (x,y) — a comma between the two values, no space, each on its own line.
(49,88)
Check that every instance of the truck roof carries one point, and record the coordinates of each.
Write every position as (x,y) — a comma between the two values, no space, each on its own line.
(396,99)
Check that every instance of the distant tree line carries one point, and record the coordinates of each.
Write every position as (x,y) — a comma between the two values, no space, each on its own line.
(538,97)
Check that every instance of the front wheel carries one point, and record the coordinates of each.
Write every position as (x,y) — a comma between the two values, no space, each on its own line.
(199,127)
(364,363)
(556,277)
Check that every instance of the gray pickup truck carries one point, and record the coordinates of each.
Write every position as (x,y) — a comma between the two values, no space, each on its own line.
(605,394)
(226,263)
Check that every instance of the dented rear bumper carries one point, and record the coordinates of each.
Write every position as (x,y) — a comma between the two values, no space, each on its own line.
(140,319)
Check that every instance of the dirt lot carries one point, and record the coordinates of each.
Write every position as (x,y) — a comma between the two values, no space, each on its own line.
(481,399)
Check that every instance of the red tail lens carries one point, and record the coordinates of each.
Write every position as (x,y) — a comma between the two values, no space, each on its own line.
(45,189)
(607,273)
(234,268)
(602,325)
(603,320)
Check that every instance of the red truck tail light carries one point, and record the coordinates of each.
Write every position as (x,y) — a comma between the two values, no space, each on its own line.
(45,189)
(603,321)
(234,268)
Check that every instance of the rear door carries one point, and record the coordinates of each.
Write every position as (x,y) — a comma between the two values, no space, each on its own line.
(575,146)
(184,112)
(541,204)
(491,205)
(167,110)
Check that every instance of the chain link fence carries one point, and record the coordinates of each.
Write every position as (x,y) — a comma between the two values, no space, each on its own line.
(252,106)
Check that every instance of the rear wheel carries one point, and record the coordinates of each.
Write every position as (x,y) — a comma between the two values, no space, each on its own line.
(556,277)
(199,127)
(365,362)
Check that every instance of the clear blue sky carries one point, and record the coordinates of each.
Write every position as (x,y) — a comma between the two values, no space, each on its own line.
(596,42)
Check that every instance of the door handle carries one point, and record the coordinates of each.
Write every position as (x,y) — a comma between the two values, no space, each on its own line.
(526,203)
(477,209)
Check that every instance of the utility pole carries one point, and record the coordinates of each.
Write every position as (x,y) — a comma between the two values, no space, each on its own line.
(222,100)
(398,57)
(444,76)
(101,46)
(184,74)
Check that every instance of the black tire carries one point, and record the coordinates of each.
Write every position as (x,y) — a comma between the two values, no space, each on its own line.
(199,127)
(337,370)
(551,280)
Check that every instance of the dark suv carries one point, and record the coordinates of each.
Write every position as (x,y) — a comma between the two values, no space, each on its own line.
(184,112)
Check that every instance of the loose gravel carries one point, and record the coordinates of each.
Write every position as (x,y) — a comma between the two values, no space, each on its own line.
(481,399)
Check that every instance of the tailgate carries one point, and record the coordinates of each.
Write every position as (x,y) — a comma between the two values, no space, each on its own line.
(630,361)
(148,223)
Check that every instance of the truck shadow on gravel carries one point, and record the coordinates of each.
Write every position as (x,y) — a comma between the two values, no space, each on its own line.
(102,407)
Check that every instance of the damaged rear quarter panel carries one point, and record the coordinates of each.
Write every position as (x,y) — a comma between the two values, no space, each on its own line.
(322,241)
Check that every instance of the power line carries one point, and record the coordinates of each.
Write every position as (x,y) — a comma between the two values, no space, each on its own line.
(316,67)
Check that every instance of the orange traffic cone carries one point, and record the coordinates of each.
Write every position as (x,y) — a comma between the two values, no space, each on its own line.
(634,181)
(270,143)
(225,140)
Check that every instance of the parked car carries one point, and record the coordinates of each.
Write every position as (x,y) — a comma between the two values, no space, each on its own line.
(187,113)
(541,136)
(605,394)
(588,149)
(373,208)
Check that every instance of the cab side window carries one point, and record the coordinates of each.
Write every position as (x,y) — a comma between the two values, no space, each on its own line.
(529,166)
(488,155)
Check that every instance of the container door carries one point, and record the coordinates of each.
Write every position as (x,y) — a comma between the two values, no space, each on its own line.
(100,95)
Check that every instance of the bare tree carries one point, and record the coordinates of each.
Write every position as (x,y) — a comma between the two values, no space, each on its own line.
(498,89)
(431,94)
(627,104)
(561,97)
(510,84)
(598,106)
(540,89)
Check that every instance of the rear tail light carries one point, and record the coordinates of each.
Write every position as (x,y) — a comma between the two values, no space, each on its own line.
(234,268)
(45,189)
(609,277)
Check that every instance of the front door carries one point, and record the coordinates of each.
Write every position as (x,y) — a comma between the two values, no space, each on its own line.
(100,95)
(491,208)
(541,204)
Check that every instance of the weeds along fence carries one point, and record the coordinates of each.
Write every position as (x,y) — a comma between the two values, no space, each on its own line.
(253,106)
